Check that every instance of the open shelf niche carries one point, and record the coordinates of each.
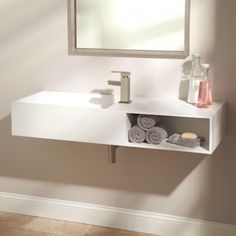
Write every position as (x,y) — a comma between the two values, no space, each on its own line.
(200,126)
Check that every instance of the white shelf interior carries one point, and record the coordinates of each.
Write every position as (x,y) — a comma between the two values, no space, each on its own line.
(200,126)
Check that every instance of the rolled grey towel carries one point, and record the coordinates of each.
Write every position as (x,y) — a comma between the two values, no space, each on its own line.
(156,135)
(146,122)
(176,139)
(136,134)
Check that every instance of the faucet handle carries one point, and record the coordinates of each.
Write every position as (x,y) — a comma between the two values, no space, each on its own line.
(122,73)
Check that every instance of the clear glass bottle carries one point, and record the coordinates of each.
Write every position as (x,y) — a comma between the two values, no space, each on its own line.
(194,82)
(205,96)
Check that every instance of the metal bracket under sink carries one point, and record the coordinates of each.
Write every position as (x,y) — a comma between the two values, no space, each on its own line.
(112,153)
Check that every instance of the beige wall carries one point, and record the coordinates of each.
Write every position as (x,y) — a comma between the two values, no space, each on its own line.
(33,56)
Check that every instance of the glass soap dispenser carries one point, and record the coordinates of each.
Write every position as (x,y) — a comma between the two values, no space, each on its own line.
(205,96)
(194,82)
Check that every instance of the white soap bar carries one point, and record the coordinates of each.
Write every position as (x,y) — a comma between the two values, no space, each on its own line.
(189,136)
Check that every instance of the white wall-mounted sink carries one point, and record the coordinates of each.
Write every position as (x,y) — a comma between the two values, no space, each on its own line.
(99,118)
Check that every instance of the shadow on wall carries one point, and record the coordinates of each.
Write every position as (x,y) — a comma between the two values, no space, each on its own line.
(87,164)
(140,170)
(216,200)
(217,193)
(220,191)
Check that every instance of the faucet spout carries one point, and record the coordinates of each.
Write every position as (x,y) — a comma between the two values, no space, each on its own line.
(114,82)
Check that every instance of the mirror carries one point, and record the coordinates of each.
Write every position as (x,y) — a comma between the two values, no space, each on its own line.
(134,28)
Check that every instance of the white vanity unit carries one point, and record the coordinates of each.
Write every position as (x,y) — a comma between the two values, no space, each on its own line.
(96,118)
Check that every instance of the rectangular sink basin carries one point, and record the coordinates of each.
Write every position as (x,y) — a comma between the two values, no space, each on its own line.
(89,100)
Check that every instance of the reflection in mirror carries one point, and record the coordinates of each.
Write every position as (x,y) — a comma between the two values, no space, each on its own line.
(145,28)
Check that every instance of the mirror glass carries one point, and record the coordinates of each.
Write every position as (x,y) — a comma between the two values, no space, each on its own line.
(130,27)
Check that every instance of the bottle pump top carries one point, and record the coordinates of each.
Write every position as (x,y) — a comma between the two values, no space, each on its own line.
(206,68)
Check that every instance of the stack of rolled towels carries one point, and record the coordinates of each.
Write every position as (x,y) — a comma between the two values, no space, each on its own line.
(148,128)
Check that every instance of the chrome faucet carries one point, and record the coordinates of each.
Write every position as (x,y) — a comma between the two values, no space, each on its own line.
(124,84)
